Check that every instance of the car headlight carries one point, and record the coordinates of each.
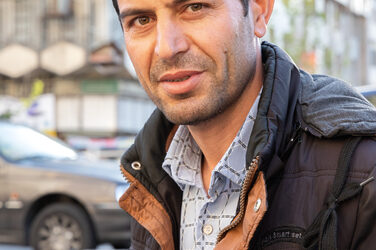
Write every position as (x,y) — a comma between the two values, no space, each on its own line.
(119,191)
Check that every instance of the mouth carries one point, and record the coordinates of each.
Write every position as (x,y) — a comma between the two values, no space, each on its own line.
(178,80)
(181,82)
(178,76)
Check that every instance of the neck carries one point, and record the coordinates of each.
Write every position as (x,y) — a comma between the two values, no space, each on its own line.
(215,135)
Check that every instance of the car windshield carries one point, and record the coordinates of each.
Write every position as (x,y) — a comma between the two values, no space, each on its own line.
(22,143)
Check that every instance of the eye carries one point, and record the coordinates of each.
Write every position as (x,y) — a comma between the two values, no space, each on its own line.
(195,7)
(143,20)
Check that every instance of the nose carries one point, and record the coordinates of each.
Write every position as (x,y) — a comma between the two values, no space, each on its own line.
(171,40)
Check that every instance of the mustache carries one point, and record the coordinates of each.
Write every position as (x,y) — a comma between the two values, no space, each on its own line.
(179,61)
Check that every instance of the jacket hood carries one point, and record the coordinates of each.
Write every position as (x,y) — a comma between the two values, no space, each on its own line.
(292,99)
(332,107)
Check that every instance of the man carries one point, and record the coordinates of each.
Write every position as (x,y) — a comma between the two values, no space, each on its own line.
(245,151)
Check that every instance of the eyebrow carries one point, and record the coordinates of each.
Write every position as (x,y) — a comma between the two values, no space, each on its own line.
(138,11)
(133,12)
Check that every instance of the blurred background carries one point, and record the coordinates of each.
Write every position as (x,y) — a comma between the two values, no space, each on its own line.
(64,70)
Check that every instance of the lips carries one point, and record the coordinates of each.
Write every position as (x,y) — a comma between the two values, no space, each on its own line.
(180,82)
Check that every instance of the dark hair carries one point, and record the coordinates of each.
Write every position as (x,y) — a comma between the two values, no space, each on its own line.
(244,2)
(245,6)
(116,6)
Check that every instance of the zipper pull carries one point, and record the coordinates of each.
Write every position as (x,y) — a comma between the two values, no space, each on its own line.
(251,174)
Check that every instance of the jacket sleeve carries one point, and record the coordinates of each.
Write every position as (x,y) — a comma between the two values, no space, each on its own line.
(364,237)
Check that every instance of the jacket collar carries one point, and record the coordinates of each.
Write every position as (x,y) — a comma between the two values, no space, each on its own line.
(275,121)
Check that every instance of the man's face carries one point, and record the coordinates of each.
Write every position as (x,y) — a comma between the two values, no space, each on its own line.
(193,58)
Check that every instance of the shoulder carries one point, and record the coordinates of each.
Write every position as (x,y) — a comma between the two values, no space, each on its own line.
(307,181)
(364,159)
(319,157)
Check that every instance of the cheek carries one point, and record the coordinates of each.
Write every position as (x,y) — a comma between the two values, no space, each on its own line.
(211,42)
(140,55)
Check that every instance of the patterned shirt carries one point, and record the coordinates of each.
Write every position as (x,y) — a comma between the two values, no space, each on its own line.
(203,217)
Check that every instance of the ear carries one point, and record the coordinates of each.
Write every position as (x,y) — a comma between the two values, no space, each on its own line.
(261,10)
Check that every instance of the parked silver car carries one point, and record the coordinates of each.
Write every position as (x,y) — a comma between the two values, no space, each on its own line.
(50,198)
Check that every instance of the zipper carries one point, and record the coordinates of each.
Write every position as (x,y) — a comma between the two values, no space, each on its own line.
(135,165)
(122,173)
(243,197)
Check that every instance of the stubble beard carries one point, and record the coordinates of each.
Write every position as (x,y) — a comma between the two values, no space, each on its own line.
(224,91)
(197,113)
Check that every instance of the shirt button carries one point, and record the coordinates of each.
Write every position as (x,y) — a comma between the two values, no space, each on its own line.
(207,229)
(257,205)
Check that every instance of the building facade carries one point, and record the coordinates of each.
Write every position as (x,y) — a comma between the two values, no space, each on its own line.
(66,58)
(333,37)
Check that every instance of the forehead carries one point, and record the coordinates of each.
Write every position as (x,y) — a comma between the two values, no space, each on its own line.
(132,7)
(149,3)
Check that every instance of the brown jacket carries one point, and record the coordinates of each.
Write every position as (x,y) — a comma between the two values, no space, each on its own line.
(291,197)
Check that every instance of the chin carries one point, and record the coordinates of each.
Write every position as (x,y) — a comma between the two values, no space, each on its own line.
(193,111)
(191,117)
(180,118)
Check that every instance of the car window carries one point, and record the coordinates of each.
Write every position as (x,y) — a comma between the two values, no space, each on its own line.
(21,143)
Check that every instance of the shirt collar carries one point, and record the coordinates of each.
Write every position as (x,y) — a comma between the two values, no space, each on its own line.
(183,158)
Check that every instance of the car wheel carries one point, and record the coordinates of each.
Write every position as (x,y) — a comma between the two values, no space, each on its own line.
(61,226)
